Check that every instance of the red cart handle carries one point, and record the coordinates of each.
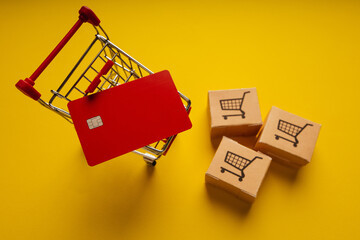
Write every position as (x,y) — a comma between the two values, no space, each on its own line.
(26,86)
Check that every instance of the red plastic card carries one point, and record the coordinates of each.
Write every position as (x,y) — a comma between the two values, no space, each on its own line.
(127,117)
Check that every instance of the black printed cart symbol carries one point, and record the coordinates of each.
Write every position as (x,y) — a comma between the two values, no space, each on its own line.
(233,104)
(290,129)
(237,162)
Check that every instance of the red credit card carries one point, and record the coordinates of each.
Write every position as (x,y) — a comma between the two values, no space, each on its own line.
(129,116)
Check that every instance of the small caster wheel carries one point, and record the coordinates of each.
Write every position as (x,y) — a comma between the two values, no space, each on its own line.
(240,179)
(151,164)
(222,170)
(295,144)
(225,117)
(277,137)
(243,116)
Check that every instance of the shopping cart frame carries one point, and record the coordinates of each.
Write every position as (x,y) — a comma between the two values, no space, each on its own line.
(290,126)
(224,103)
(118,68)
(228,156)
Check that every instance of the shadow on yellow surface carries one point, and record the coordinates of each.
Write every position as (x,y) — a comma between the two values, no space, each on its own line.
(223,199)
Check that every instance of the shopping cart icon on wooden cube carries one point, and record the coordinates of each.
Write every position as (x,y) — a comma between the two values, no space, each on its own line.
(238,162)
(233,104)
(291,130)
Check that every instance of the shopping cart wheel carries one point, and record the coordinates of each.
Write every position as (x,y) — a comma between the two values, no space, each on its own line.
(240,179)
(277,137)
(222,170)
(243,116)
(295,144)
(151,164)
(225,117)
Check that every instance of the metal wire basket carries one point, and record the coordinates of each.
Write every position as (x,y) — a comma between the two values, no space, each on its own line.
(109,66)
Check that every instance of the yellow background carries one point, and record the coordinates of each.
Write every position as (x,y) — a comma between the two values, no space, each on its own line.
(302,56)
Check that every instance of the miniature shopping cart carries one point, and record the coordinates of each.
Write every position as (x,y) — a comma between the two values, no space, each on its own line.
(290,129)
(107,66)
(237,162)
(233,104)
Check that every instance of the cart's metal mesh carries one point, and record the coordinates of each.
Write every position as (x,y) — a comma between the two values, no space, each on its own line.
(125,69)
(103,65)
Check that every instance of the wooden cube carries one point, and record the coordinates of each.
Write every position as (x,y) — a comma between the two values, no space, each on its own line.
(237,169)
(234,112)
(287,138)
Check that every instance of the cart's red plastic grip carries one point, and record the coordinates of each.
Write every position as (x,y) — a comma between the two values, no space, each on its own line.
(26,86)
(105,69)
(87,15)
